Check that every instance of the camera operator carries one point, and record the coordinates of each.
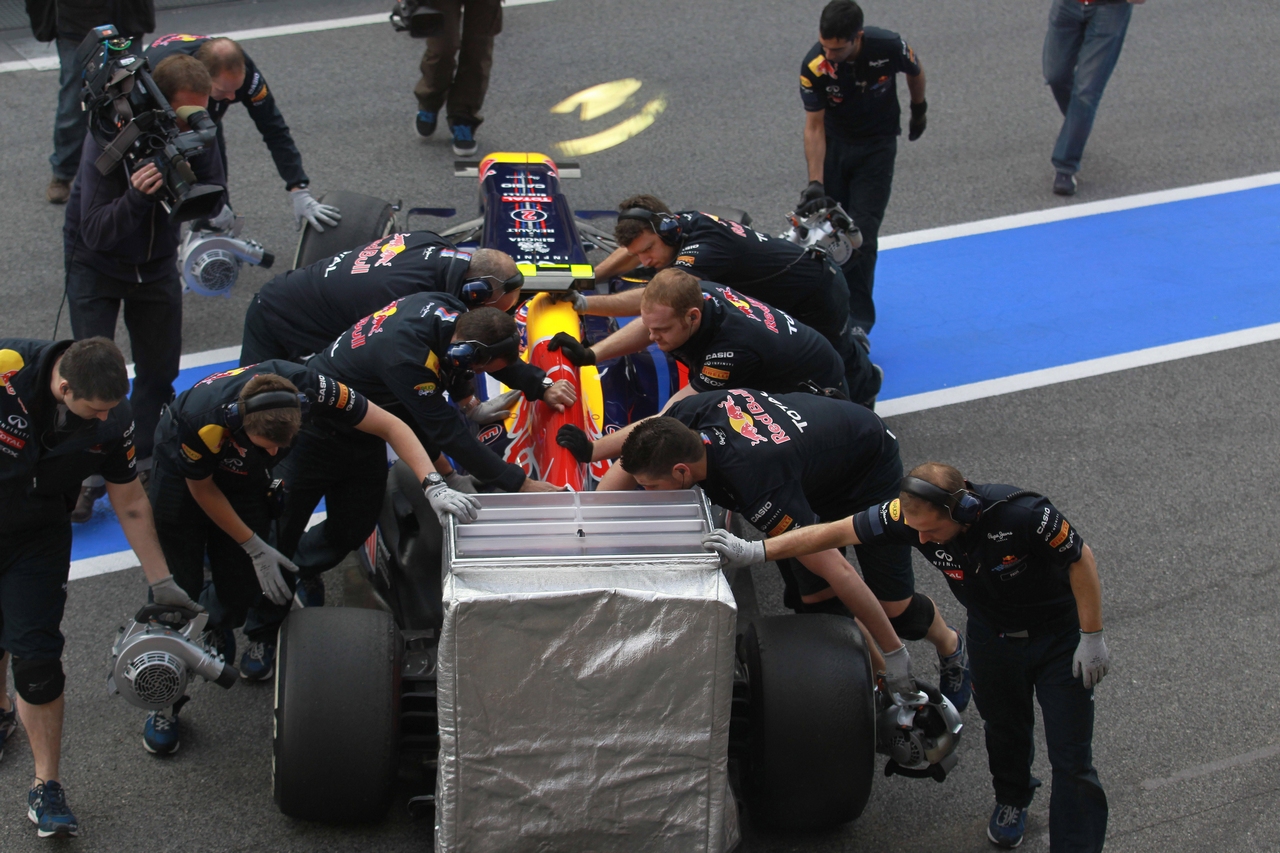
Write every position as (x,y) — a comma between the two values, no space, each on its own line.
(121,246)
(237,80)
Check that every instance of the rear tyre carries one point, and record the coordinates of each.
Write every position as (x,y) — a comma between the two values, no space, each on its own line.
(812,743)
(337,714)
(364,219)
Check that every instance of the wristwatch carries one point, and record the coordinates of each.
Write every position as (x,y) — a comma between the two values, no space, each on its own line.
(432,479)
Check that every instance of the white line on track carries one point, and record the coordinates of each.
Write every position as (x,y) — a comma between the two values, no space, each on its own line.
(1212,767)
(50,63)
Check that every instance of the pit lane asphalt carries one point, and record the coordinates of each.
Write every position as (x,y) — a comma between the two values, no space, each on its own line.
(1166,470)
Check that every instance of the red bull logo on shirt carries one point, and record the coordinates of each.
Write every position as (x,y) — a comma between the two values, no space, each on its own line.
(746,424)
(385,249)
(378,317)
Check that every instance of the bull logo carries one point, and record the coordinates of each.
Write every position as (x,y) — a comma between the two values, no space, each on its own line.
(741,422)
(389,250)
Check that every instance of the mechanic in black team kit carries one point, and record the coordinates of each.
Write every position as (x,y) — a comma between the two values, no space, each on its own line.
(726,339)
(787,461)
(216,446)
(63,417)
(848,83)
(804,283)
(237,80)
(1030,585)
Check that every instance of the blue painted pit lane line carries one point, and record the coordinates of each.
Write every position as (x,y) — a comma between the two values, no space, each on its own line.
(996,306)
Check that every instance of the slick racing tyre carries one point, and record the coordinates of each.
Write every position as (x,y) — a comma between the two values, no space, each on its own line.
(364,219)
(811,755)
(337,714)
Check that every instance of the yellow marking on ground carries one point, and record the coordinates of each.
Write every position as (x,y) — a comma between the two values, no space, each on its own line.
(599,99)
(615,135)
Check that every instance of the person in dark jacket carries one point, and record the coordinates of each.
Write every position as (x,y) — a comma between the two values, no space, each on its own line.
(74,20)
(237,80)
(121,247)
(63,417)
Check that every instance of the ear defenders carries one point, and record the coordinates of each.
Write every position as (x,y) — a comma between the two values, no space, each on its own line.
(962,505)
(666,226)
(477,290)
(234,413)
(465,355)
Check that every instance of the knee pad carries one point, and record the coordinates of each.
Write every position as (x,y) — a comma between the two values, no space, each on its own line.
(913,623)
(39,682)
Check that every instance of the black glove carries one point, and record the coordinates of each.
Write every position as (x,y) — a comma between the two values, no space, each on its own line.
(916,127)
(574,440)
(573,349)
(812,197)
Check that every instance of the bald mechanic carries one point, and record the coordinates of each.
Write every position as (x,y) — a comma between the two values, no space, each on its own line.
(237,80)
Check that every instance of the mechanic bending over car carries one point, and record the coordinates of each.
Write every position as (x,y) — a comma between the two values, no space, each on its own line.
(1030,586)
(726,339)
(121,246)
(212,495)
(237,80)
(803,282)
(64,417)
(791,460)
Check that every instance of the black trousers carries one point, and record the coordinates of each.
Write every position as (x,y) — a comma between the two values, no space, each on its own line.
(34,564)
(153,316)
(265,338)
(859,175)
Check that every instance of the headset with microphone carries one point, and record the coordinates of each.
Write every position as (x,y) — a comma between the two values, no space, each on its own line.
(477,290)
(234,413)
(464,355)
(665,225)
(962,505)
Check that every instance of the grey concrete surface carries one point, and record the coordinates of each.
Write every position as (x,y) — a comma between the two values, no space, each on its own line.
(1168,471)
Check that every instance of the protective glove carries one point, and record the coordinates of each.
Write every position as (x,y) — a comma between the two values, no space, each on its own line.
(266,564)
(446,501)
(915,128)
(1091,660)
(897,671)
(495,410)
(318,215)
(167,592)
(573,297)
(735,553)
(574,440)
(577,354)
(224,221)
(811,198)
(464,483)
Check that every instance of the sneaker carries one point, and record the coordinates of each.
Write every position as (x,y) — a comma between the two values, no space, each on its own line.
(160,733)
(310,591)
(223,641)
(1008,825)
(84,504)
(954,678)
(47,809)
(58,191)
(464,140)
(1064,184)
(259,661)
(8,724)
(425,124)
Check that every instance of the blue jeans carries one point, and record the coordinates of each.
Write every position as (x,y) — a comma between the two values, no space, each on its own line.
(1080,52)
(1007,671)
(70,123)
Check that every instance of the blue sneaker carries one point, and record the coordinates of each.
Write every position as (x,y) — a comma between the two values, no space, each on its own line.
(310,591)
(1008,825)
(160,733)
(464,140)
(425,124)
(259,662)
(955,680)
(47,809)
(8,724)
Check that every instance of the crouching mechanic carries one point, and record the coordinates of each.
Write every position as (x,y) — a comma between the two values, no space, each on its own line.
(216,446)
(803,282)
(790,460)
(63,417)
(1030,586)
(726,339)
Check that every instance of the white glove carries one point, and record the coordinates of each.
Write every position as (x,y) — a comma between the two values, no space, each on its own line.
(446,501)
(1091,660)
(465,483)
(735,553)
(167,592)
(224,221)
(897,671)
(318,215)
(578,301)
(495,410)
(266,564)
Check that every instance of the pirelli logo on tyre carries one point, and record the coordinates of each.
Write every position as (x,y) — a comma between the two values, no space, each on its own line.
(1063,532)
